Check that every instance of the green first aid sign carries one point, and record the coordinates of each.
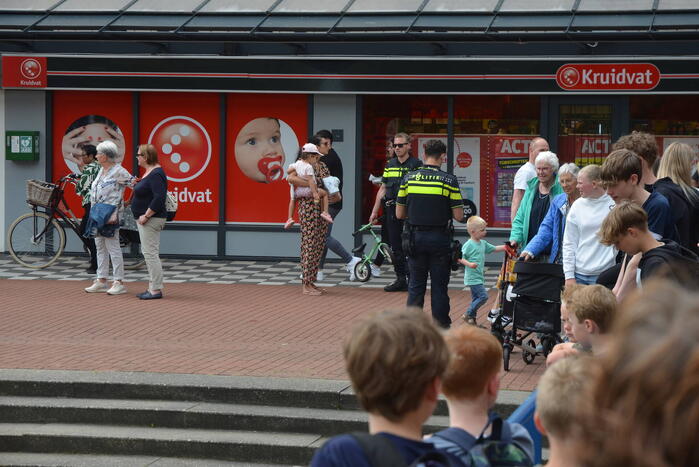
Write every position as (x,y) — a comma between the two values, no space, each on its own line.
(22,145)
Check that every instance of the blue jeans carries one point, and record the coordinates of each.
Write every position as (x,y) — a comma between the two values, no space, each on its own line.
(478,298)
(432,256)
(330,242)
(585,279)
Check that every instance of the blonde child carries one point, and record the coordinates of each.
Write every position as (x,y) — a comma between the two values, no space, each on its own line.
(303,168)
(473,258)
(560,390)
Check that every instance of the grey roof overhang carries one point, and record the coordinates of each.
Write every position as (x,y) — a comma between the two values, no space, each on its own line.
(408,22)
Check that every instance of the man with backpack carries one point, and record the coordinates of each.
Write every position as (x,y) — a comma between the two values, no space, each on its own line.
(395,360)
(477,436)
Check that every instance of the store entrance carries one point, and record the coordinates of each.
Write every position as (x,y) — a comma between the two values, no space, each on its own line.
(582,129)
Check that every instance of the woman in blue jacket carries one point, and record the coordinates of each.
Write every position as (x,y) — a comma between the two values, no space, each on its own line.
(550,232)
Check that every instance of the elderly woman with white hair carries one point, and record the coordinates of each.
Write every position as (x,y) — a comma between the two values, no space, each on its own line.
(108,190)
(537,199)
(549,238)
(584,257)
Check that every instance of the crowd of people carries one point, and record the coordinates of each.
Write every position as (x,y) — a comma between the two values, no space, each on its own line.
(623,391)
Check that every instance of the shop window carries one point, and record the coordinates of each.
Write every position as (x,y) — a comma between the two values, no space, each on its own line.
(421,117)
(669,118)
(491,141)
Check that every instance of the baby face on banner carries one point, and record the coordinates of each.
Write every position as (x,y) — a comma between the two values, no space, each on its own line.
(258,150)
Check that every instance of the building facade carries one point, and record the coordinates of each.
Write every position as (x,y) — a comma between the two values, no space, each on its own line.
(227,91)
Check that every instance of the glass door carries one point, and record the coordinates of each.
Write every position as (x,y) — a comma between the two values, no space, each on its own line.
(582,129)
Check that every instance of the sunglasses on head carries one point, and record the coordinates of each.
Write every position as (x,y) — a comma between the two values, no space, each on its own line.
(399,145)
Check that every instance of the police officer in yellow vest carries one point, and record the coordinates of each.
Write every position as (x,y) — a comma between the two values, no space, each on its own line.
(393,174)
(429,199)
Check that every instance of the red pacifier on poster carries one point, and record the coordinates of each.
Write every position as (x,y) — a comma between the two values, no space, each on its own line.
(184,145)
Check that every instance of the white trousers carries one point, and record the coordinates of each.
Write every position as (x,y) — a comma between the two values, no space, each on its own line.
(150,247)
(109,248)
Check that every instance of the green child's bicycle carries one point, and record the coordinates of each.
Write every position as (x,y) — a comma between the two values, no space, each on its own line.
(362,270)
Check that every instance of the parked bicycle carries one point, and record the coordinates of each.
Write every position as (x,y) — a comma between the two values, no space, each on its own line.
(362,270)
(38,238)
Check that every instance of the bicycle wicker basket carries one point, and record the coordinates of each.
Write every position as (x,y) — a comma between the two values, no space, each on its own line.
(42,193)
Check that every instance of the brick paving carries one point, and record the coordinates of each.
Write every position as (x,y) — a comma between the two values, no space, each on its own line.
(258,329)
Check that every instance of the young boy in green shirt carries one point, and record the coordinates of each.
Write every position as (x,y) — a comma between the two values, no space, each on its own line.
(473,257)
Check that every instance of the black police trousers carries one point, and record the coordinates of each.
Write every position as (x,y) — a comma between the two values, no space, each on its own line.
(394,226)
(431,255)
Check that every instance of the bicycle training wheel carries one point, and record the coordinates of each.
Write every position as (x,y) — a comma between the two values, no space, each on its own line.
(386,252)
(36,240)
(131,249)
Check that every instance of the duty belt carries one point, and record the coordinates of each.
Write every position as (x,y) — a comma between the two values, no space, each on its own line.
(429,227)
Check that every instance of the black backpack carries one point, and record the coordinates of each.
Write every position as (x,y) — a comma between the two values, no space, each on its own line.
(382,453)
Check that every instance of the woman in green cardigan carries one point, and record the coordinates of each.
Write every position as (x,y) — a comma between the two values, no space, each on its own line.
(535,203)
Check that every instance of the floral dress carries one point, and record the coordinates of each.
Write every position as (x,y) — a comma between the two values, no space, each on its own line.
(313,229)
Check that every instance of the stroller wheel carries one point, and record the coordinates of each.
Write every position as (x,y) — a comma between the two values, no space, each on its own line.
(527,356)
(547,343)
(507,348)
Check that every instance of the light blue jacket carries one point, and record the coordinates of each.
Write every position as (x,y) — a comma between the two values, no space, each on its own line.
(551,230)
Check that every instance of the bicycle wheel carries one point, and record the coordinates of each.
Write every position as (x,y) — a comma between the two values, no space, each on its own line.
(386,252)
(362,271)
(131,249)
(32,251)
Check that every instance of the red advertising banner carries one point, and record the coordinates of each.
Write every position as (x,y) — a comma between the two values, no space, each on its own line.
(184,128)
(23,72)
(86,117)
(504,155)
(265,132)
(584,149)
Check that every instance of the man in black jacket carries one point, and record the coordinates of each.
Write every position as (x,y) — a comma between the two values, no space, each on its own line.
(324,140)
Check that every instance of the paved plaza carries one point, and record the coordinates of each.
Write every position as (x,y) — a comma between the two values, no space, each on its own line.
(218,317)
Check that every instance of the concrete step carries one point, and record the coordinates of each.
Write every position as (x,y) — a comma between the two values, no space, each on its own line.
(183,414)
(227,445)
(25,459)
(282,392)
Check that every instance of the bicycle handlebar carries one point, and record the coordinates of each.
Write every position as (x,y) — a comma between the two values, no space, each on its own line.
(363,228)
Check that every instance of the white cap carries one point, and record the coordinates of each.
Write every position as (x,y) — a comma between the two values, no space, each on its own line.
(312,148)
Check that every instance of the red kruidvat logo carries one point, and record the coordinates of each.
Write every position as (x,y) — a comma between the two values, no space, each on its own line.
(608,76)
(184,147)
(30,68)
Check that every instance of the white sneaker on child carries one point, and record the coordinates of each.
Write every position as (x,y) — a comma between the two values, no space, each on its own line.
(375,270)
(493,314)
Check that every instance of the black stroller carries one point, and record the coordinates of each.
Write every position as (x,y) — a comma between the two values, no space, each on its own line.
(531,303)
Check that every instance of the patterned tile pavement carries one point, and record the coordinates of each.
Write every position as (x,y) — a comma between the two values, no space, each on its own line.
(217,317)
(218,272)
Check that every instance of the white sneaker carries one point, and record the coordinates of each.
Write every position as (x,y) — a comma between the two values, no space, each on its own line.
(117,289)
(375,270)
(493,314)
(96,287)
(350,267)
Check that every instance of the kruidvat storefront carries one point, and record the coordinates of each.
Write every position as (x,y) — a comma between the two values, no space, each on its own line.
(227,126)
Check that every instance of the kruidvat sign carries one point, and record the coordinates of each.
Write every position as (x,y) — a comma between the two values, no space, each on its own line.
(608,76)
(23,72)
